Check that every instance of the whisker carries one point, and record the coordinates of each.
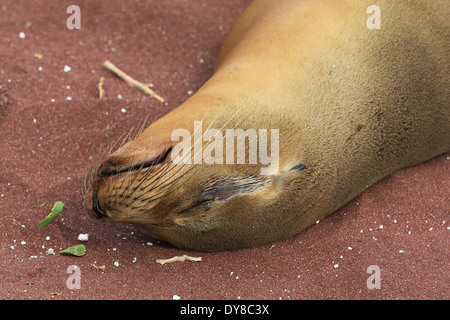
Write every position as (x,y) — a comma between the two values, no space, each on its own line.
(163,184)
(184,157)
(168,177)
(142,180)
(166,194)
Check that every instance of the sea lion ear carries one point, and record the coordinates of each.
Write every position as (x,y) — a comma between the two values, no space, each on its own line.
(290,175)
(299,167)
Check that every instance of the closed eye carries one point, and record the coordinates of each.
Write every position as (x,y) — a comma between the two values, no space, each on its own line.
(222,189)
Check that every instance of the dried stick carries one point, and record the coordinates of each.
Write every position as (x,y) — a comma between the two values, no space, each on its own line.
(101,92)
(178,258)
(134,83)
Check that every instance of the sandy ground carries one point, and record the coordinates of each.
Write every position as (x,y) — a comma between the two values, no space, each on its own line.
(53,125)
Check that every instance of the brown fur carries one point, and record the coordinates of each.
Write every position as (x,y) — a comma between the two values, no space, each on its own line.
(352,104)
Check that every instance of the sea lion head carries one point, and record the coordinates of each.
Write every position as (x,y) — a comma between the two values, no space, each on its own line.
(154,183)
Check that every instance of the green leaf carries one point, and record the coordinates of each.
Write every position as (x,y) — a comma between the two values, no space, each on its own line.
(78,250)
(57,209)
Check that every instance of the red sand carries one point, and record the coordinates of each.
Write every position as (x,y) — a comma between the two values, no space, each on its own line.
(400,224)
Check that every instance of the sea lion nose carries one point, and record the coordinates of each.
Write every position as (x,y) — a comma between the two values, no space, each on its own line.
(96,207)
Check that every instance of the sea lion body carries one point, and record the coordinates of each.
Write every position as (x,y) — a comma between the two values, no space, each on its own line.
(352,105)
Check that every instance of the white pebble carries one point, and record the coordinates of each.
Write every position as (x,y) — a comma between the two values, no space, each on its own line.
(22,35)
(23,242)
(50,251)
(336,266)
(83,236)
(69,98)
(47,238)
(175,297)
(149,243)
(67,68)
(123,110)
(116,263)
(40,68)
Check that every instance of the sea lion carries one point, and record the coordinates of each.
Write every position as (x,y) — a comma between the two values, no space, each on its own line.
(350,104)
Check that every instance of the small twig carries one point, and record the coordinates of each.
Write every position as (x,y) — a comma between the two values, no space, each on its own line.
(39,205)
(101,268)
(101,92)
(134,83)
(178,258)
